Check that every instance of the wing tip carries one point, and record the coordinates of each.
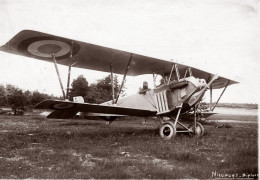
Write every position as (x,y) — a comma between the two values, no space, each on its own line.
(41,104)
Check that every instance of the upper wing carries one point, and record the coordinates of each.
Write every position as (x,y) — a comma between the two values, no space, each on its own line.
(41,46)
(72,108)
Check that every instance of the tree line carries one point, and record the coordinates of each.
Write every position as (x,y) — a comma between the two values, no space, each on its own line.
(98,92)
(16,98)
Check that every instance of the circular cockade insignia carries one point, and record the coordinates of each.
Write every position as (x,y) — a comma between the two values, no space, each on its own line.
(61,106)
(46,48)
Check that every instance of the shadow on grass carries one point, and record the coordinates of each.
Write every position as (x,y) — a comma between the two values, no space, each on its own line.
(85,123)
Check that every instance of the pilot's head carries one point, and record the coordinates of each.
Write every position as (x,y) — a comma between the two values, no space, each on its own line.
(145,85)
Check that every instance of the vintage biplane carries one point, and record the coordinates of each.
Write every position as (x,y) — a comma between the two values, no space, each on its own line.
(180,92)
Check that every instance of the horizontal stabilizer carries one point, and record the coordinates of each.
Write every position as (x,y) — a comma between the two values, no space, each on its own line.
(207,114)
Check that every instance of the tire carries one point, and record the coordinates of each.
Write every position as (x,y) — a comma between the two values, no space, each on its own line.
(199,130)
(167,131)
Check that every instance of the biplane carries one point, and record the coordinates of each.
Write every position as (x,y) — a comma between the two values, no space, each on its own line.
(180,92)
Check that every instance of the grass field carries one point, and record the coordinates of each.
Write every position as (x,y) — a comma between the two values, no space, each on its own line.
(237,105)
(35,147)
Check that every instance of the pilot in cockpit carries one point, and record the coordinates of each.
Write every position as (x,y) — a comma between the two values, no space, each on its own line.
(144,88)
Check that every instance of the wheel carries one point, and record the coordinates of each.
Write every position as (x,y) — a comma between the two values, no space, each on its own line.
(199,131)
(167,131)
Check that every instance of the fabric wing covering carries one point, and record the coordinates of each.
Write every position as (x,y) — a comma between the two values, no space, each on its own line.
(42,46)
(72,108)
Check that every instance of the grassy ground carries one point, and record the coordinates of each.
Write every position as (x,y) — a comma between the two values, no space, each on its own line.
(33,147)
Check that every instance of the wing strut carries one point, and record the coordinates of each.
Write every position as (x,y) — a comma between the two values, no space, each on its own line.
(68,82)
(176,69)
(212,109)
(188,70)
(112,83)
(177,72)
(210,96)
(154,80)
(69,70)
(57,70)
(169,79)
(123,81)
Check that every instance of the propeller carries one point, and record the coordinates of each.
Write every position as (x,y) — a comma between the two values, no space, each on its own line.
(198,95)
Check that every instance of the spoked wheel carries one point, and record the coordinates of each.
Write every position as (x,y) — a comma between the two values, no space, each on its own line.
(199,131)
(167,131)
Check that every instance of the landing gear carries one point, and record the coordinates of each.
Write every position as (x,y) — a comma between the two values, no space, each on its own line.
(196,128)
(198,131)
(167,130)
(108,119)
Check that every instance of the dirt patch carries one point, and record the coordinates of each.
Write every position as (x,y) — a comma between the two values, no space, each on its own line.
(146,159)
(86,160)
(16,158)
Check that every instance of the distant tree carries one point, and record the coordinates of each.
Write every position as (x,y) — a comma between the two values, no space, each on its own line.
(10,89)
(98,92)
(19,100)
(37,97)
(102,90)
(3,96)
(79,87)
(16,98)
(28,95)
(94,95)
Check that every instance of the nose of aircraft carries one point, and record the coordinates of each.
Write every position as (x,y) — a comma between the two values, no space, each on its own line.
(196,97)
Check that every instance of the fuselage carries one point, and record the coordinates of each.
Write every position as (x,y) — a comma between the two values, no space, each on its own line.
(167,97)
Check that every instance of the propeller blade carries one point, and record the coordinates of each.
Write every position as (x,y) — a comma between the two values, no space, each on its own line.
(196,97)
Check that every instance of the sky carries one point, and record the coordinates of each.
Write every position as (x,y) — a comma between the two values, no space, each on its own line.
(218,36)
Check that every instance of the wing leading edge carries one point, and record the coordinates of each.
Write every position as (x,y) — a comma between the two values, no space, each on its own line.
(41,46)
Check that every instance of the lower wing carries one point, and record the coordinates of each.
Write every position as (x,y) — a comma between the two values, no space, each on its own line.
(68,109)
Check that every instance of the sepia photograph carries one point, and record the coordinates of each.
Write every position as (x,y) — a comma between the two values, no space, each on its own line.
(120,89)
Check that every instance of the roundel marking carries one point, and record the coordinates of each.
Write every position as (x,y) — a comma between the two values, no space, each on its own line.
(45,48)
(61,106)
(48,48)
